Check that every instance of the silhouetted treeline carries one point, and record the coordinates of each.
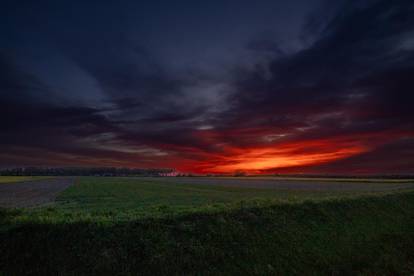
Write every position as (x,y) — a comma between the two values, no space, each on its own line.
(75,171)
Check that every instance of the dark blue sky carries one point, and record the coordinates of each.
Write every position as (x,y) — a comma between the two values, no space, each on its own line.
(296,86)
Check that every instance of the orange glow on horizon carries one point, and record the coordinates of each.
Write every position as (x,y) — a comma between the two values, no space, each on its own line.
(302,154)
(259,156)
(272,159)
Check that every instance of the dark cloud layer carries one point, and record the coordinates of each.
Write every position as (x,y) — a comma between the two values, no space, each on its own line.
(333,95)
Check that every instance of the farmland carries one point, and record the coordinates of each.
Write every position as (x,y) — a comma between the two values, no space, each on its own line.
(12,179)
(257,226)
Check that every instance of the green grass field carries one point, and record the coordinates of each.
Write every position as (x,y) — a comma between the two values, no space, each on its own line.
(12,179)
(125,226)
(114,197)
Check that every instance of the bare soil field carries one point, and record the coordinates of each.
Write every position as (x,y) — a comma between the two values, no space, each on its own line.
(290,184)
(32,193)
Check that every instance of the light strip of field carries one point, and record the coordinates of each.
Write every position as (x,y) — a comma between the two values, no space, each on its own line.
(16,179)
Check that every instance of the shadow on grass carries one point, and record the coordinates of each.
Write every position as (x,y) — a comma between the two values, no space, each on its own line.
(365,235)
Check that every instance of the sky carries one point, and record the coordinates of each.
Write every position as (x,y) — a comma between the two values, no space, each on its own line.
(298,86)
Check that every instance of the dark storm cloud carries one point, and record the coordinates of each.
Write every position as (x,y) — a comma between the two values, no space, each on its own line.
(357,66)
(17,85)
(133,85)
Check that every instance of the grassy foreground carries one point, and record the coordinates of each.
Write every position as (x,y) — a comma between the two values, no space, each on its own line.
(124,228)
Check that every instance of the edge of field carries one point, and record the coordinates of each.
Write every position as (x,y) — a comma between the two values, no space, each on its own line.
(19,179)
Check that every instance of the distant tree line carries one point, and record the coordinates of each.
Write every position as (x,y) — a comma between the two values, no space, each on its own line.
(114,171)
(80,171)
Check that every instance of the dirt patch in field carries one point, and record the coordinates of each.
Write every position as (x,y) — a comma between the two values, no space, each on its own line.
(282,184)
(32,193)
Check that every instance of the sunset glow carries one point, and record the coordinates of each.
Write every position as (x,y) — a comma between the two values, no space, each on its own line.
(256,160)
(271,90)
